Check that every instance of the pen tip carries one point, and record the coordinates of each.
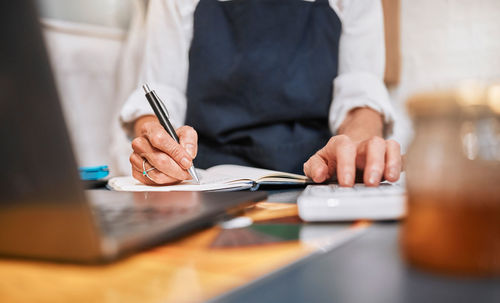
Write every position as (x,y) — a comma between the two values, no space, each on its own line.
(194,175)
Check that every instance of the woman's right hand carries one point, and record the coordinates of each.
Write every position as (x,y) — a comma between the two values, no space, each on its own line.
(169,158)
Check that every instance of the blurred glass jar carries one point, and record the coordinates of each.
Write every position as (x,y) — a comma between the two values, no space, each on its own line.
(453,182)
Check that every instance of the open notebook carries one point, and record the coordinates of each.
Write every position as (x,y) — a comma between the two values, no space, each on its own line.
(220,177)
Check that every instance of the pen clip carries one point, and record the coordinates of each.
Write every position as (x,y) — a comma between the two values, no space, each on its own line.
(163,107)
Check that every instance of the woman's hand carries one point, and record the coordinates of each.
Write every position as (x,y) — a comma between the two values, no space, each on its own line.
(170,159)
(341,155)
(358,146)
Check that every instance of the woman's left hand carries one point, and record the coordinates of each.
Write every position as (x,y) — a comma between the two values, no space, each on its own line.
(375,156)
(359,146)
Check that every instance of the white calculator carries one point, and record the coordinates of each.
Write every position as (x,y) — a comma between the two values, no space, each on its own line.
(335,203)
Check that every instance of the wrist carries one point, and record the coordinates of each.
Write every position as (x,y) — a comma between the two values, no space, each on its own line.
(140,125)
(362,123)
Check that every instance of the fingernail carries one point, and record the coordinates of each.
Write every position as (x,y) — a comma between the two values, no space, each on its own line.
(374,177)
(190,150)
(185,162)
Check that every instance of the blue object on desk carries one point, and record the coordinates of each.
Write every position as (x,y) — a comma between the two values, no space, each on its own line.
(93,172)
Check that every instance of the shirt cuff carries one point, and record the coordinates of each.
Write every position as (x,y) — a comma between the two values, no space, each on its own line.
(360,89)
(137,106)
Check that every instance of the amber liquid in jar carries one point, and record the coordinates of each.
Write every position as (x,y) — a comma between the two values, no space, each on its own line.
(453,233)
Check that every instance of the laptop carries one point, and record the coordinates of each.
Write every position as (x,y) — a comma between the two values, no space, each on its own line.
(44,211)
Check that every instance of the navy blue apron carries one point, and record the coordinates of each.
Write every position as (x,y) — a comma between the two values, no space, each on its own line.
(260,81)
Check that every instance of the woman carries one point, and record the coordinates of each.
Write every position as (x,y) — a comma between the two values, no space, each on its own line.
(265,83)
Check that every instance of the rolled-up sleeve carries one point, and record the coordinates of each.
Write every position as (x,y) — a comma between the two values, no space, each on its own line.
(165,61)
(360,80)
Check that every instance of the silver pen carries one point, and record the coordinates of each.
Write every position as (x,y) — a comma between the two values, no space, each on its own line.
(162,114)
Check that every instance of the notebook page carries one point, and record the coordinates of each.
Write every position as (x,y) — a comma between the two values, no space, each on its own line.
(208,181)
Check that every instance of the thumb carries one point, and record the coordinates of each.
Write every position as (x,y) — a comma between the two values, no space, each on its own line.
(188,139)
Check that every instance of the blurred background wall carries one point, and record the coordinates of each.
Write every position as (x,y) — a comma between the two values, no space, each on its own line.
(86,40)
(91,45)
(109,13)
(442,42)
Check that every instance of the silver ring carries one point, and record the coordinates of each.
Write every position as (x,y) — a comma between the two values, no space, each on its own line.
(146,171)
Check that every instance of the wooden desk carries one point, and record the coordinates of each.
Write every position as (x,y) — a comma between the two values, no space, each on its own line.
(188,270)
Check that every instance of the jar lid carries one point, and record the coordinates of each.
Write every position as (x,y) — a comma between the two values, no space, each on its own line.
(468,98)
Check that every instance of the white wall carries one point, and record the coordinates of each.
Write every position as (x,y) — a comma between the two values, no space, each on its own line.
(84,60)
(85,39)
(445,41)
(109,13)
(89,52)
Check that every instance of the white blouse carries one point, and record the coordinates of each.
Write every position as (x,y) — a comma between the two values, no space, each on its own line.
(169,30)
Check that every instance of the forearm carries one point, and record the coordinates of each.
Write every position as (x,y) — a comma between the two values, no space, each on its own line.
(164,62)
(361,124)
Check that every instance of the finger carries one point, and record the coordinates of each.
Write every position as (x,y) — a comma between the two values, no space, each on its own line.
(163,163)
(316,168)
(375,160)
(160,139)
(159,159)
(393,161)
(346,162)
(188,139)
(339,143)
(145,180)
(136,162)
(157,176)
(141,145)
(141,178)
(323,164)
